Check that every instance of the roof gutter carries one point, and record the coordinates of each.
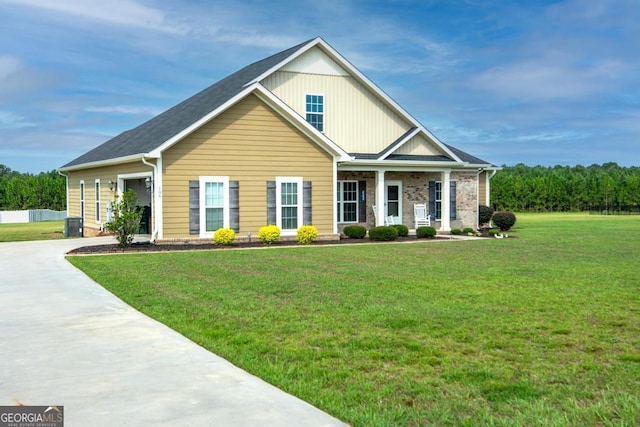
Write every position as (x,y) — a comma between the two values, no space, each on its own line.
(154,232)
(107,162)
(66,177)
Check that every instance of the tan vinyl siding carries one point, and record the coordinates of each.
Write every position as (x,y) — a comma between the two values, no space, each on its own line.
(482,189)
(354,117)
(419,146)
(89,176)
(251,144)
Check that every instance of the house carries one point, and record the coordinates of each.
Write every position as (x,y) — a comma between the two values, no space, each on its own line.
(301,137)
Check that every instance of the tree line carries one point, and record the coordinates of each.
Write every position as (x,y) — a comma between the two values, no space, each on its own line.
(520,188)
(608,187)
(19,191)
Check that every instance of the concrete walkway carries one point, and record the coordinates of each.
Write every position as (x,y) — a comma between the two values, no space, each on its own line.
(66,341)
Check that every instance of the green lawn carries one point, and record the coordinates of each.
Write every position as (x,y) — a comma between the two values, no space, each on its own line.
(538,330)
(46,230)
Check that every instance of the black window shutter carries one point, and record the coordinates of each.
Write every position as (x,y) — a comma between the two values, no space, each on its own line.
(234,205)
(432,198)
(271,203)
(452,200)
(362,201)
(306,203)
(194,207)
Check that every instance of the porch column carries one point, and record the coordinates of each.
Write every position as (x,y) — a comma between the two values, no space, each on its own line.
(445,224)
(380,198)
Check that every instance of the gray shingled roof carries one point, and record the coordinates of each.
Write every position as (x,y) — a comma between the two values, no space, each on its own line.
(156,131)
(466,157)
(153,133)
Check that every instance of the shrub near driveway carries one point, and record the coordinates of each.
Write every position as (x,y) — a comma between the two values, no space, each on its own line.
(540,330)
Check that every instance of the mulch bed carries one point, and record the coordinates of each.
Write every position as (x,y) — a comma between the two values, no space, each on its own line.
(142,247)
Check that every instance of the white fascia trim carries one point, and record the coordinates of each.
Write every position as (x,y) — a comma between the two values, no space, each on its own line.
(288,59)
(343,62)
(399,144)
(157,152)
(265,95)
(368,165)
(372,86)
(299,123)
(108,162)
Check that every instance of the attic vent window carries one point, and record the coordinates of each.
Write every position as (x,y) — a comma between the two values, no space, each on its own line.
(314,107)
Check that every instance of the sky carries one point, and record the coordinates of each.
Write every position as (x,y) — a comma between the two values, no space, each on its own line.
(534,82)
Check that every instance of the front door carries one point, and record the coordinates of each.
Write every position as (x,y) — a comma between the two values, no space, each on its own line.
(393,200)
(138,185)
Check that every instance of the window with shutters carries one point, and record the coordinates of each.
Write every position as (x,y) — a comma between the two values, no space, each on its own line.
(214,204)
(347,197)
(289,207)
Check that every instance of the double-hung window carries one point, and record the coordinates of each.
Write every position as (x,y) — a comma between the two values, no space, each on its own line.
(97,182)
(438,198)
(347,201)
(289,209)
(214,204)
(314,108)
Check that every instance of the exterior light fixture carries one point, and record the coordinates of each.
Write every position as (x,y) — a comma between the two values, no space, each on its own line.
(113,186)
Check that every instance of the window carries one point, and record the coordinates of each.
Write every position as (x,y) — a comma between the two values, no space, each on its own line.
(214,204)
(438,200)
(97,200)
(314,108)
(82,199)
(289,203)
(347,201)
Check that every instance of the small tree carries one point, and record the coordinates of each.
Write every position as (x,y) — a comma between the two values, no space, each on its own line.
(125,218)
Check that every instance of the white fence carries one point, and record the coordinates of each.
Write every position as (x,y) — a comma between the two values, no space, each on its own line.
(33,215)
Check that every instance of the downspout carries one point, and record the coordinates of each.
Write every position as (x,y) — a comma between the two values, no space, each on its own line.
(67,190)
(154,232)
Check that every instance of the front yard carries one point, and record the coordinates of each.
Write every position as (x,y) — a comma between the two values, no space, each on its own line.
(542,329)
(46,230)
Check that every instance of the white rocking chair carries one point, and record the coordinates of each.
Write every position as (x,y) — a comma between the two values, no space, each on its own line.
(420,215)
(388,220)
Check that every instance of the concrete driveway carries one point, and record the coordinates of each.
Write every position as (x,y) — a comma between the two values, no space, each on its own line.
(67,341)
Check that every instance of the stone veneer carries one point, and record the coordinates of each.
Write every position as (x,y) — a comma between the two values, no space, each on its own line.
(415,189)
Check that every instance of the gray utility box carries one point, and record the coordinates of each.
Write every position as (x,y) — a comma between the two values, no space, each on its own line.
(73,226)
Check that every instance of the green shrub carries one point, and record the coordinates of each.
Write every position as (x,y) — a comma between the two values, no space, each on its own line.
(426,232)
(355,231)
(269,234)
(504,220)
(383,233)
(467,230)
(224,236)
(403,230)
(493,232)
(484,214)
(307,234)
(125,218)
(456,231)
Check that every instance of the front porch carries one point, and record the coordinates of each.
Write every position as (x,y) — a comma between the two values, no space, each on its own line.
(451,197)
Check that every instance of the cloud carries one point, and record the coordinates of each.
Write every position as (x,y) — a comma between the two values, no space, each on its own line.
(9,120)
(126,13)
(125,109)
(17,78)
